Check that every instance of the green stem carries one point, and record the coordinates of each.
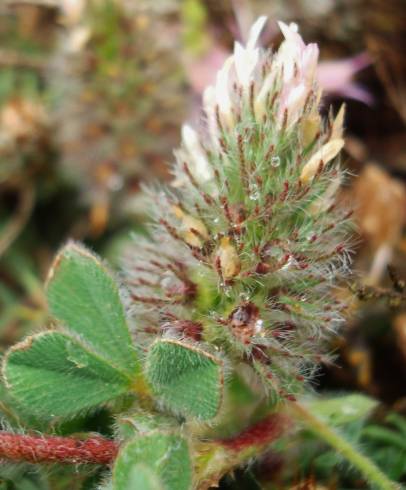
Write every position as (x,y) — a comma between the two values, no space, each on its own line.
(368,469)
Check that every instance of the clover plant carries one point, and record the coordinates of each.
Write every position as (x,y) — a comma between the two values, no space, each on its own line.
(205,347)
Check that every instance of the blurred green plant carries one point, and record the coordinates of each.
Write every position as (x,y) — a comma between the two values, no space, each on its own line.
(111,63)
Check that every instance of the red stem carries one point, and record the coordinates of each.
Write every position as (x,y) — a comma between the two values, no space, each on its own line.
(53,449)
(99,450)
(259,434)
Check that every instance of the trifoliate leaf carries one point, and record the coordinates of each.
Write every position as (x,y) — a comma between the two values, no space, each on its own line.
(156,461)
(188,380)
(341,410)
(52,374)
(84,297)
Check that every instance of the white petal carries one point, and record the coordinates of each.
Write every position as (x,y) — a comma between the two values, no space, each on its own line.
(337,130)
(309,62)
(261,98)
(245,61)
(290,51)
(209,98)
(290,32)
(255,31)
(296,98)
(201,168)
(222,91)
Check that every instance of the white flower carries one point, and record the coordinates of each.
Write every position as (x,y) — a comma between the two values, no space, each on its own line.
(255,31)
(294,100)
(222,92)
(201,168)
(260,101)
(245,62)
(290,50)
(298,62)
(246,58)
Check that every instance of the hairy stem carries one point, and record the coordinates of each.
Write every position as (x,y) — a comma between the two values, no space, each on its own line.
(375,477)
(53,449)
(227,454)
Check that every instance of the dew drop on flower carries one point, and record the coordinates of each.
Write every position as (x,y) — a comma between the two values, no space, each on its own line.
(244,296)
(258,325)
(291,262)
(275,161)
(167,281)
(254,196)
(226,289)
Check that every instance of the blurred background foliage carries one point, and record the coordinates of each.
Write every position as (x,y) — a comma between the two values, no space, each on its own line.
(92,97)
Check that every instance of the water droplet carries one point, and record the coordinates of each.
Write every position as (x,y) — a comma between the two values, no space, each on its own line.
(254,196)
(275,161)
(258,325)
(244,296)
(226,289)
(216,220)
(274,251)
(291,262)
(167,281)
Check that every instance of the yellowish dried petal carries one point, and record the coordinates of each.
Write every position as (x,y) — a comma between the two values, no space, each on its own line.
(190,223)
(326,153)
(228,257)
(337,130)
(309,127)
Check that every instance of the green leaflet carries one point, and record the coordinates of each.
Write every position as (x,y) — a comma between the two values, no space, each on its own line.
(142,477)
(188,380)
(157,461)
(84,297)
(52,374)
(344,409)
(141,422)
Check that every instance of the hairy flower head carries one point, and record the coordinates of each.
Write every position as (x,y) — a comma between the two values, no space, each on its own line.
(249,241)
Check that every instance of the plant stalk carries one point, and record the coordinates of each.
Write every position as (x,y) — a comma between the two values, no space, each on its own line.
(53,449)
(221,456)
(363,464)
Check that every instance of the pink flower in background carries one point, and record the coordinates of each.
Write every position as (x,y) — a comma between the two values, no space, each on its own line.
(202,72)
(336,77)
